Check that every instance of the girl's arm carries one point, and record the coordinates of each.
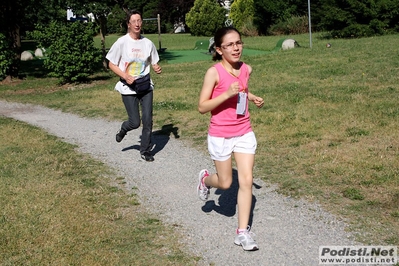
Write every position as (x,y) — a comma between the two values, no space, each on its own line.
(258,101)
(206,104)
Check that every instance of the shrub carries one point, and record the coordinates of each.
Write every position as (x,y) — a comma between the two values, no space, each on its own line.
(353,31)
(116,21)
(242,12)
(293,25)
(72,56)
(205,17)
(248,28)
(6,56)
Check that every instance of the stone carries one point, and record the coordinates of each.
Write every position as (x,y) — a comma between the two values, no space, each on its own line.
(289,44)
(26,56)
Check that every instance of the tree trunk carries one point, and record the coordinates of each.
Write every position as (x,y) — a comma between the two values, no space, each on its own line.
(11,14)
(16,46)
(103,32)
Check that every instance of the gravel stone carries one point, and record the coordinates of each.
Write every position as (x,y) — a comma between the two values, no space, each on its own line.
(288,231)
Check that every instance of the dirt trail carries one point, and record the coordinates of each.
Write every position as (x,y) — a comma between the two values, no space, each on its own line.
(289,232)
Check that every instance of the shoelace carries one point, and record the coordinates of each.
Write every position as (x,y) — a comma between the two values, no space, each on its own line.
(204,190)
(248,232)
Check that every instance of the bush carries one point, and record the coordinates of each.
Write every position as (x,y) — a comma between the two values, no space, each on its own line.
(116,21)
(242,12)
(293,25)
(248,28)
(71,54)
(353,31)
(6,56)
(205,18)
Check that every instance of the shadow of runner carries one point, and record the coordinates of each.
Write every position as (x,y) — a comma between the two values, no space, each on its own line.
(159,138)
(228,200)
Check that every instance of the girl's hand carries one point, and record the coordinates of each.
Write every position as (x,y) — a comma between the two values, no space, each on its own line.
(258,101)
(234,89)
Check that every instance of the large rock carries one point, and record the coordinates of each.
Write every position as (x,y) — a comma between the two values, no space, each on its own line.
(26,55)
(289,44)
(39,52)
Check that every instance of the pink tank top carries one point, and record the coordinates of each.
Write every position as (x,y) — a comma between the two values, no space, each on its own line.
(224,120)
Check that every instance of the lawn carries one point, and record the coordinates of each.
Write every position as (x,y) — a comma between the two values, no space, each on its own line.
(328,132)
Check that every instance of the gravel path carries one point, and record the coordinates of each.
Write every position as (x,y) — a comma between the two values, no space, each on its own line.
(288,231)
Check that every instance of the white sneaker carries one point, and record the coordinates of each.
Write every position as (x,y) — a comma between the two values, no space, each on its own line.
(245,240)
(202,190)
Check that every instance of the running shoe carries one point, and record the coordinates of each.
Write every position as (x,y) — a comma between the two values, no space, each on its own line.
(245,240)
(120,135)
(202,189)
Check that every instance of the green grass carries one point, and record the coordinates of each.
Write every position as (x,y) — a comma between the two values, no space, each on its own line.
(58,208)
(327,133)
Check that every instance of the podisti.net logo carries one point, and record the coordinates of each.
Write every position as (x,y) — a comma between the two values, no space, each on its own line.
(358,255)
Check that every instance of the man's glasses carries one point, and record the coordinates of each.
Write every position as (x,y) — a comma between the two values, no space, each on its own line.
(230,46)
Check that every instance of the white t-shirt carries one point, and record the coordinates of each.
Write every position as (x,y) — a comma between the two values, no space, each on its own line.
(134,57)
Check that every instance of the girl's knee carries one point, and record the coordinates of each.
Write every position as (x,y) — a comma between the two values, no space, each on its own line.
(246,182)
(225,183)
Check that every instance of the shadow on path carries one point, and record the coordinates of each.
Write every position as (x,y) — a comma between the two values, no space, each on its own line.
(228,200)
(159,138)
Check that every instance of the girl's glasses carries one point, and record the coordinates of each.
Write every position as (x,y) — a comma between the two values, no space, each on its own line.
(230,46)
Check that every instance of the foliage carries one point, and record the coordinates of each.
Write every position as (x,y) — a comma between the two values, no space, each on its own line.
(249,29)
(356,18)
(72,56)
(269,12)
(242,12)
(116,21)
(43,12)
(173,12)
(293,25)
(205,17)
(352,18)
(25,14)
(150,24)
(19,16)
(6,56)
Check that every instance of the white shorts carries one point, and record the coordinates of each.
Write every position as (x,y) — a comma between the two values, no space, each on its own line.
(221,148)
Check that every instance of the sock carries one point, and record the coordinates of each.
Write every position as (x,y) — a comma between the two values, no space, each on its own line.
(239,231)
(203,179)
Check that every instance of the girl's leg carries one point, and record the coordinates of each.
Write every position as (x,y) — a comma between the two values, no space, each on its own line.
(245,163)
(223,177)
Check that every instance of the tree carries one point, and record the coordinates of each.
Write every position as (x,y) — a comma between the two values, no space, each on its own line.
(116,21)
(71,55)
(242,12)
(205,17)
(18,16)
(357,18)
(100,11)
(174,11)
(6,56)
(268,12)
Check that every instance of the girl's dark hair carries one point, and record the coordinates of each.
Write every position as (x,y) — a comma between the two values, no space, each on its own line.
(218,39)
(131,13)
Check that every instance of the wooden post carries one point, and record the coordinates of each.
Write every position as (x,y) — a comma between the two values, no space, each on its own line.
(159,31)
